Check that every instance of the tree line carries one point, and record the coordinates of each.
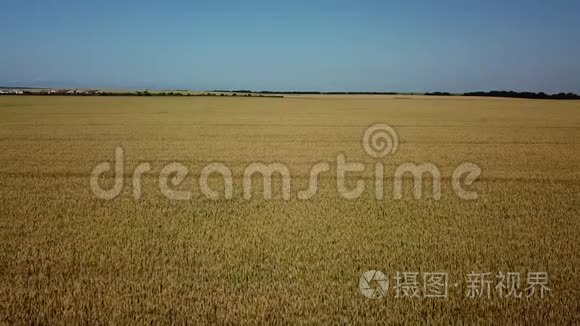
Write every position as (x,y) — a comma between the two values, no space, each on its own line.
(249,93)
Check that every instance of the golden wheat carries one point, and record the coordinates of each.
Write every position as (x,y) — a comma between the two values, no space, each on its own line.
(67,257)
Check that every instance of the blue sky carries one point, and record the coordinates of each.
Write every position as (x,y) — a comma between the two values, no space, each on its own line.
(293,45)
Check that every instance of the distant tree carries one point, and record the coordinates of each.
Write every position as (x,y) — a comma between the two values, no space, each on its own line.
(528,95)
(438,94)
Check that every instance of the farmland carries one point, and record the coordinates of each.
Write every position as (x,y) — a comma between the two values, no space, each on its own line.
(69,257)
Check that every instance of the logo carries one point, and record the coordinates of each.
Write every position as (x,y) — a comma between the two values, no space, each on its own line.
(380,140)
(373,284)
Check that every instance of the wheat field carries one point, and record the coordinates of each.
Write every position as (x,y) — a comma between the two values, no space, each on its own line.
(68,257)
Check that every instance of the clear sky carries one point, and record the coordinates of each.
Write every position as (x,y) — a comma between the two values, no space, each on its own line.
(293,45)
